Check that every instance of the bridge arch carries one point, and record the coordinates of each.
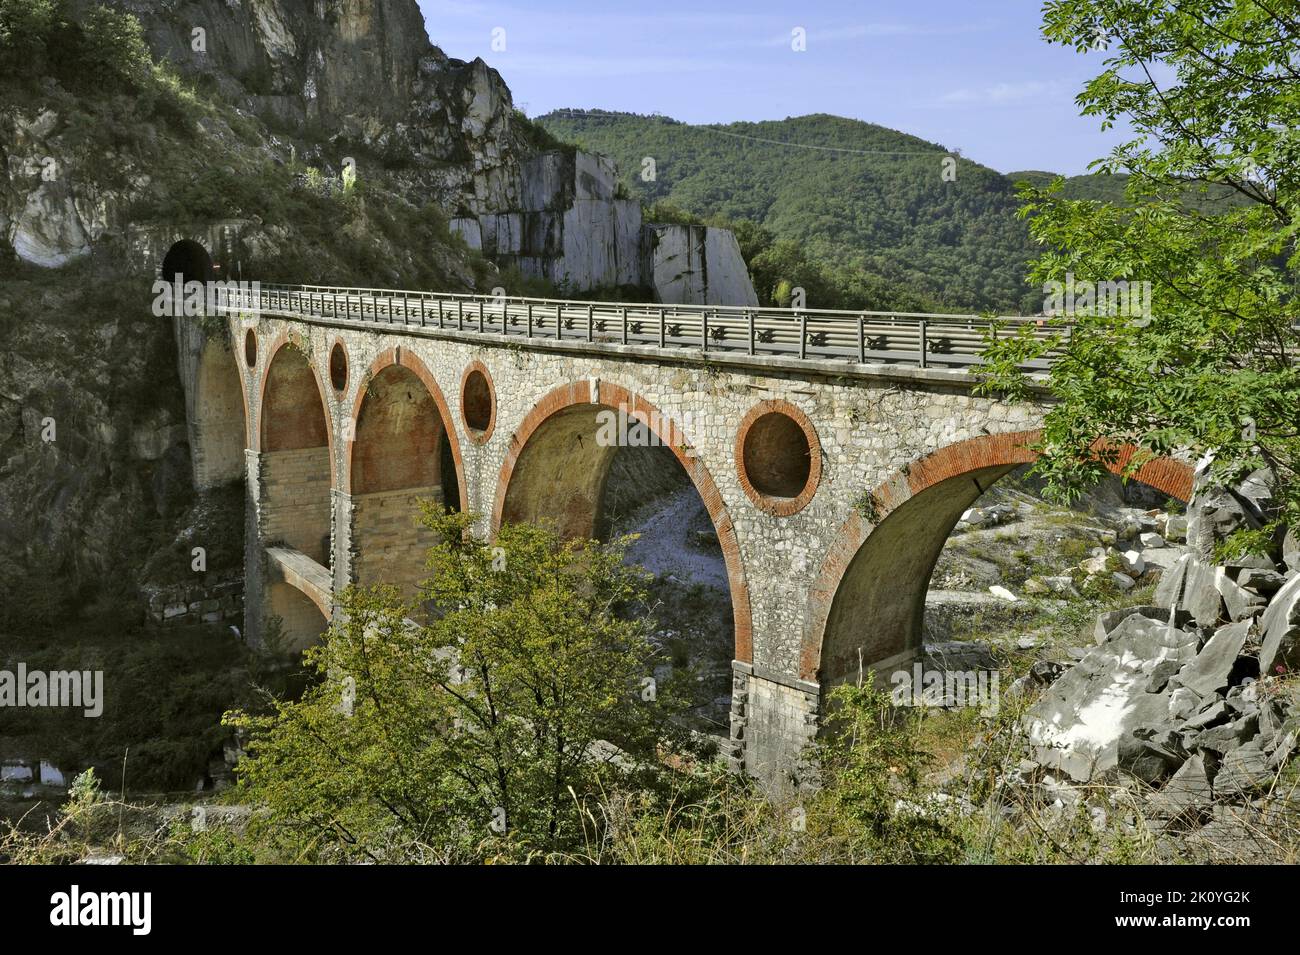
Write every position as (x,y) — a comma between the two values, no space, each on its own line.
(877,570)
(555,469)
(302,619)
(296,444)
(402,444)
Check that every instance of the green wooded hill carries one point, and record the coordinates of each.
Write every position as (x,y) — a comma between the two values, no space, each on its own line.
(866,203)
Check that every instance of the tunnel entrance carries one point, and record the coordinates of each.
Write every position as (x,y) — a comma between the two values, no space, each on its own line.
(189,260)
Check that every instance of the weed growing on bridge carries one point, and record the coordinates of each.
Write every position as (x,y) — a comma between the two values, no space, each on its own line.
(868,507)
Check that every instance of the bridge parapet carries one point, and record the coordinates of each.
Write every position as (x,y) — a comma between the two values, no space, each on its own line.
(845,339)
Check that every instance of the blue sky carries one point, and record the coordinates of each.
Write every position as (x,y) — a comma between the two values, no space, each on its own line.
(972,75)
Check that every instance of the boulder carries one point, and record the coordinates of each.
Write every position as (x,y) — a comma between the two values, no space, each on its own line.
(1002,593)
(1215,711)
(1132,563)
(1169,591)
(1041,674)
(1261,581)
(1161,674)
(1280,626)
(1283,743)
(1078,725)
(1094,565)
(1225,737)
(1150,752)
(1239,602)
(1188,791)
(1201,597)
(1208,672)
(1111,619)
(1175,528)
(1182,703)
(1150,539)
(1244,770)
(1217,513)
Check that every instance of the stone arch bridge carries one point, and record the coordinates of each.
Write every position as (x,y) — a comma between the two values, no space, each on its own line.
(834,452)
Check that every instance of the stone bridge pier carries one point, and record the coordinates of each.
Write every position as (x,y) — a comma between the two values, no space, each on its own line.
(831,486)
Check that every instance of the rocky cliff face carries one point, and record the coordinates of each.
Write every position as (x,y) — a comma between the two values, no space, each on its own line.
(340,80)
(697,264)
(572,228)
(342,76)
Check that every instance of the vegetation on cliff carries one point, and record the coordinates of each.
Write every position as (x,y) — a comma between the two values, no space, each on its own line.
(862,214)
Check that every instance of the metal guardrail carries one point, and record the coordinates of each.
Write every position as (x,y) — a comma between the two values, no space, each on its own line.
(924,340)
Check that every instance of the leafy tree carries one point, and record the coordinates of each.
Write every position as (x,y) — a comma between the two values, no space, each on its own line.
(1211,91)
(872,769)
(113,49)
(25,26)
(481,733)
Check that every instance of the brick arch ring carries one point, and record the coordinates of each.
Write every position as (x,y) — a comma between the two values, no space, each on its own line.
(254,429)
(1168,475)
(413,364)
(483,436)
(612,396)
(779,506)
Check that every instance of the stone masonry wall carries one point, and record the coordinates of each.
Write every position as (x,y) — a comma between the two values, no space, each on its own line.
(295,504)
(389,544)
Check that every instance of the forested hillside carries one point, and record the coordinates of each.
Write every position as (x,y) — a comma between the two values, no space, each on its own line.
(868,204)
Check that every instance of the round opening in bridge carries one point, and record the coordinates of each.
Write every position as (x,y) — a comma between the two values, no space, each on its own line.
(339,367)
(250,348)
(189,260)
(779,457)
(478,402)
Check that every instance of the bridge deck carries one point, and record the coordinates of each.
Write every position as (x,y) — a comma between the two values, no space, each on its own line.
(720,332)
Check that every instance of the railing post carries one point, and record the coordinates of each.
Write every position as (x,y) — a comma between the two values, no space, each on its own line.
(623,316)
(752,349)
(803,334)
(480,316)
(559,326)
(439,301)
(704,332)
(530,319)
(590,336)
(460,315)
(862,339)
(662,329)
(924,343)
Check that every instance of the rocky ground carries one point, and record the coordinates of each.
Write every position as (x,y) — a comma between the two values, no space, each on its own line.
(1147,686)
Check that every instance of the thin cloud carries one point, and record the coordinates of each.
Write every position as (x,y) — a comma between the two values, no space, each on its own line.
(1001,94)
(590,66)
